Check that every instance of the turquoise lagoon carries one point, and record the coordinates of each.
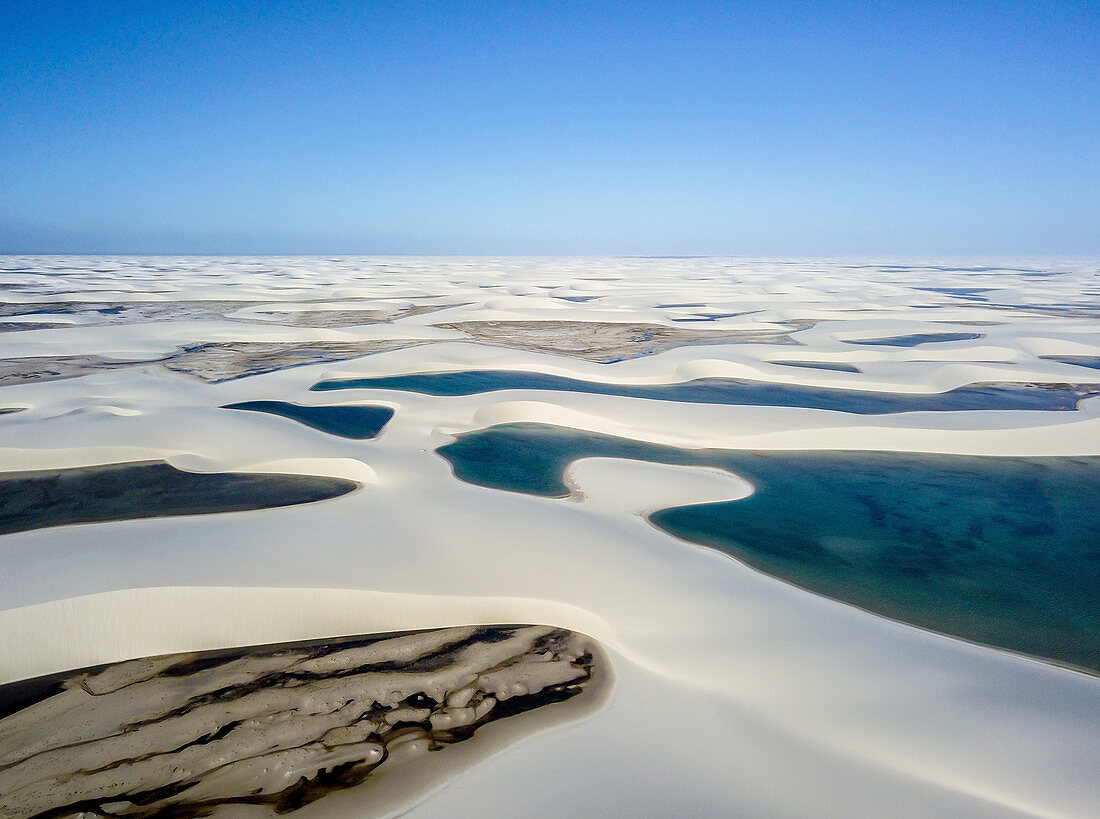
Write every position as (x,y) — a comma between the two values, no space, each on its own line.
(1001,551)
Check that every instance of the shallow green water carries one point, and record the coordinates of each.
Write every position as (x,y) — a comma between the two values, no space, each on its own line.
(346,422)
(1003,551)
(730,391)
(33,500)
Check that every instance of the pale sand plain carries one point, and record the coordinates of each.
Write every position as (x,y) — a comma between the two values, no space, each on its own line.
(734,693)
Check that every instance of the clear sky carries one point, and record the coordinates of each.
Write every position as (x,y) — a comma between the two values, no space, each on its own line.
(755,128)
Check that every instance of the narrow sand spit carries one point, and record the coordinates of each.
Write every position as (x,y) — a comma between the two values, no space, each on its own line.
(734,693)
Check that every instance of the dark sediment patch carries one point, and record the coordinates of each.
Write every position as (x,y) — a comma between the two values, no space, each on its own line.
(347,422)
(1001,551)
(276,726)
(137,312)
(322,318)
(737,392)
(12,308)
(19,326)
(52,368)
(213,363)
(343,317)
(131,312)
(605,342)
(94,494)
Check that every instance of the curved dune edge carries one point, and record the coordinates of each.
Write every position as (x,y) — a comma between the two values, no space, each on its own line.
(348,468)
(938,372)
(31,460)
(993,432)
(47,638)
(94,629)
(641,487)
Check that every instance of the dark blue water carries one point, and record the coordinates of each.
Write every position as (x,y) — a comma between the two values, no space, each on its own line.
(819,365)
(347,422)
(916,339)
(33,500)
(1092,362)
(1002,551)
(708,317)
(731,391)
(957,291)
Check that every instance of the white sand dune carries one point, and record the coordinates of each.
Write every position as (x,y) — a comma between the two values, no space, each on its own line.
(735,694)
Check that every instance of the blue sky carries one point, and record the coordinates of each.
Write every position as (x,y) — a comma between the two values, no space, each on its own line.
(550,128)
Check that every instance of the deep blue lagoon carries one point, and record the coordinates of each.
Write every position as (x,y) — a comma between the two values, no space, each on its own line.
(346,422)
